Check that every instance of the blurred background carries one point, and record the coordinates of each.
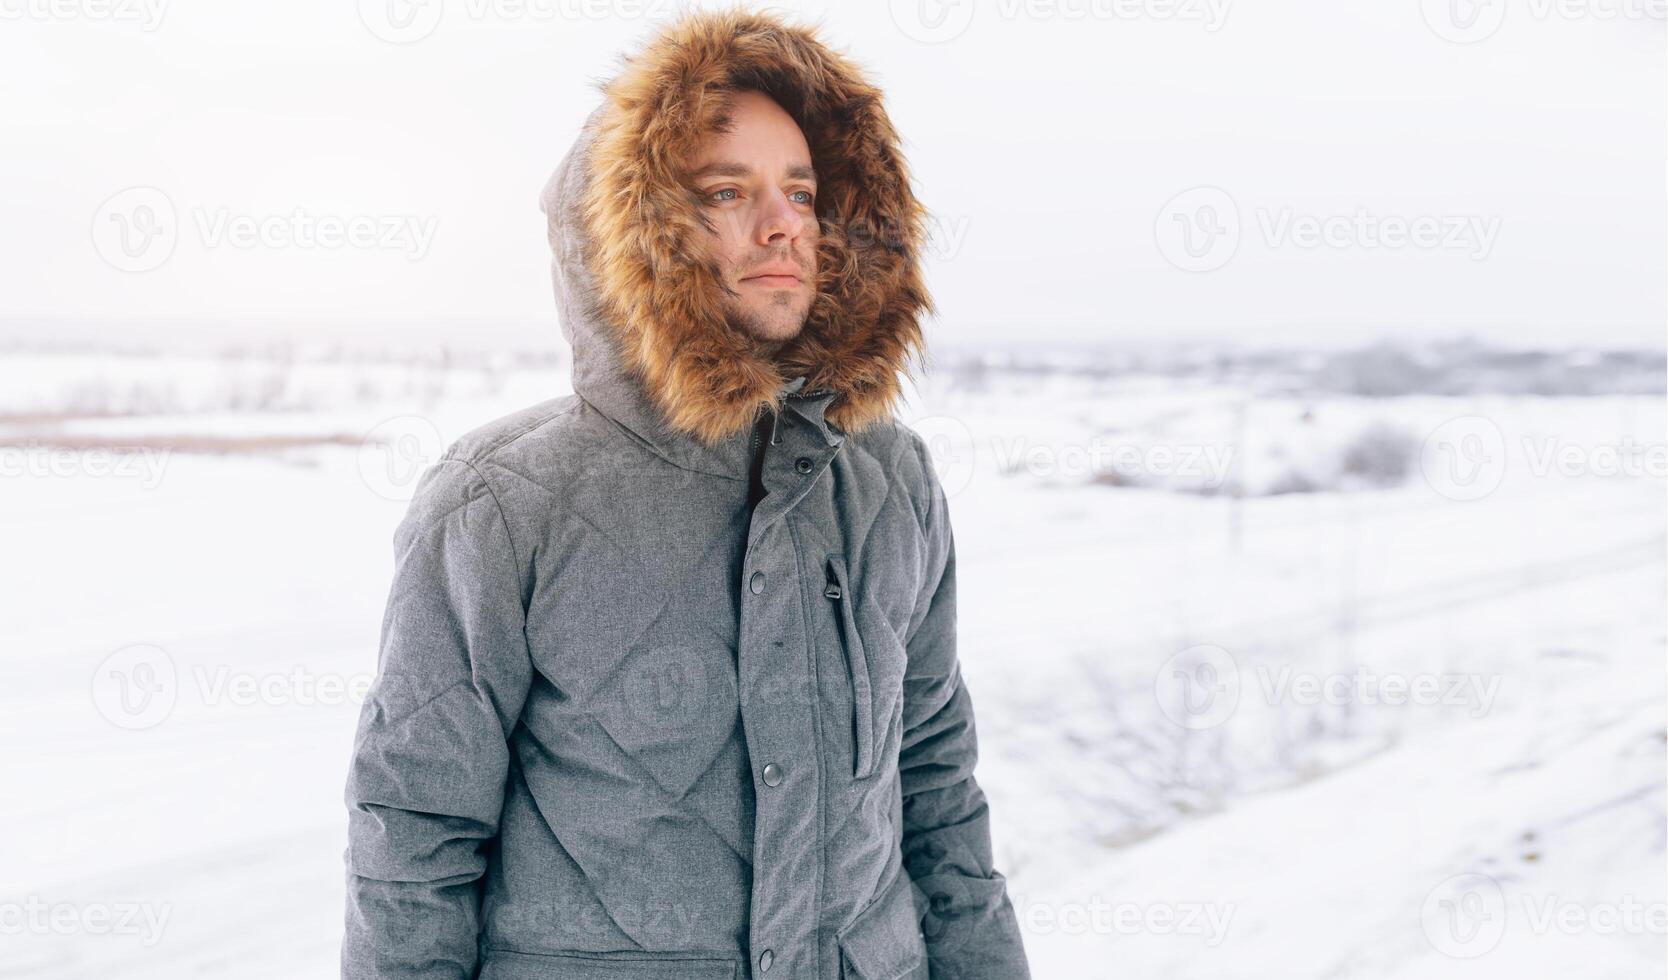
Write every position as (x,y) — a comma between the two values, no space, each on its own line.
(1298,386)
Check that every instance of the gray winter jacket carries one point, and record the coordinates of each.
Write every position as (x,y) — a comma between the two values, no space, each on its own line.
(626,724)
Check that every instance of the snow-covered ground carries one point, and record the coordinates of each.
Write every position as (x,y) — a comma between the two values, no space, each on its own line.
(1276,675)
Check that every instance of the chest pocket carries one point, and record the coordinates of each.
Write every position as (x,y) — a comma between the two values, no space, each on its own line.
(875,661)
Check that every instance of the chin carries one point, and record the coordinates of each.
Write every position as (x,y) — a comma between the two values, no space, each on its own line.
(772,323)
(779,331)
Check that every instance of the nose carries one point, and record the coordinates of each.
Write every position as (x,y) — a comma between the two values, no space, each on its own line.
(781,222)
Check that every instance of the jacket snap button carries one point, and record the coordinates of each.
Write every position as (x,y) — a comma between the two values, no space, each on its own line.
(803,464)
(765,959)
(772,774)
(756,583)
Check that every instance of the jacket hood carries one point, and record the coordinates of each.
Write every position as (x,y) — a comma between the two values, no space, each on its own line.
(638,292)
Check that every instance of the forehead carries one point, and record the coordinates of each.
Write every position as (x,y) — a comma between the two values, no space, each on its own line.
(755,133)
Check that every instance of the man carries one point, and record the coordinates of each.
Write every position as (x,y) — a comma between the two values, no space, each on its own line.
(668,682)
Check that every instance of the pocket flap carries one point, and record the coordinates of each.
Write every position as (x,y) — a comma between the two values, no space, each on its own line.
(503,964)
(885,942)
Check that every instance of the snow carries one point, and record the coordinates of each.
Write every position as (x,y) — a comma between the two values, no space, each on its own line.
(1309,707)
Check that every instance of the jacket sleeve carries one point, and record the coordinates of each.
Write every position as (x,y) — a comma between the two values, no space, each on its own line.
(968,919)
(430,757)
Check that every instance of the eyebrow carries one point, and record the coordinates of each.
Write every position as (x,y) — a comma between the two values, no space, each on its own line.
(729,168)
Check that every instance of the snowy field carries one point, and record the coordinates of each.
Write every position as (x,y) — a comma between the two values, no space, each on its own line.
(1300,665)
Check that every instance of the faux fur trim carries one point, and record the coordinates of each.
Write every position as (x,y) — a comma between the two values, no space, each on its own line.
(659,289)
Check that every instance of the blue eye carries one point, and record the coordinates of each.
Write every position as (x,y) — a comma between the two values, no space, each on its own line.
(721,190)
(808,198)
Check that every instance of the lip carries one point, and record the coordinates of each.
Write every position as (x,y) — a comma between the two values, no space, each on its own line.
(772,279)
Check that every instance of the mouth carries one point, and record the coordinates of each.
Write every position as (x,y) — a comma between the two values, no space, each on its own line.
(773,280)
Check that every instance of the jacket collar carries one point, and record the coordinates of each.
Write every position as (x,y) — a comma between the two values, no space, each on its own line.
(624,400)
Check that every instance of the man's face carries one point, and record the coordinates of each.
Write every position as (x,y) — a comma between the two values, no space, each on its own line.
(759,192)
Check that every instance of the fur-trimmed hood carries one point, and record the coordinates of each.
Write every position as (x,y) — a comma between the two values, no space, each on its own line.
(640,296)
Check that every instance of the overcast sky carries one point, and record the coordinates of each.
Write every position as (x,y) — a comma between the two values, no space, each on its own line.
(1097,168)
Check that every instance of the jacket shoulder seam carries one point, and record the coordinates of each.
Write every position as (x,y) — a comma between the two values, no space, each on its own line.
(503,518)
(483,454)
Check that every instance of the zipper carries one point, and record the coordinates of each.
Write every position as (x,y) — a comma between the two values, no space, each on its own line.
(775,420)
(755,461)
(838,591)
